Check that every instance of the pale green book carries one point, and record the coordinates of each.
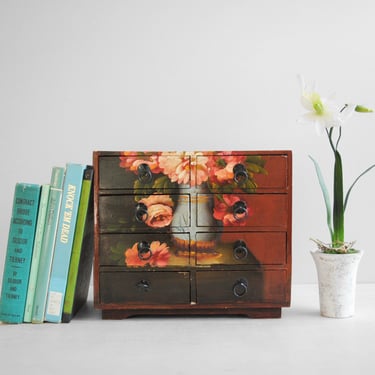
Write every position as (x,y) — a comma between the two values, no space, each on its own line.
(48,244)
(42,211)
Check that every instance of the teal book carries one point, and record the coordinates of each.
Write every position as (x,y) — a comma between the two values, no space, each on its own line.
(83,251)
(36,252)
(48,244)
(64,241)
(19,252)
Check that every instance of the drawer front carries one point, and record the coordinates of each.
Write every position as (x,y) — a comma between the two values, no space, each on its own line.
(241,286)
(141,212)
(156,250)
(143,171)
(246,171)
(246,210)
(144,287)
(247,248)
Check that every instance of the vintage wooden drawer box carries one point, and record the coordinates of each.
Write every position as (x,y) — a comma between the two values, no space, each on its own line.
(192,232)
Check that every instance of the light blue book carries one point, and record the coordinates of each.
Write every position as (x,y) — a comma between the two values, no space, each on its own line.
(19,252)
(48,244)
(64,241)
(36,252)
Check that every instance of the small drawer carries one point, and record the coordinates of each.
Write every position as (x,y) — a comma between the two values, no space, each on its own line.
(141,212)
(247,248)
(249,172)
(156,250)
(149,171)
(144,287)
(246,210)
(241,286)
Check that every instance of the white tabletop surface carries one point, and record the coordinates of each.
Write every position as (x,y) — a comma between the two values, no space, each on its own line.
(301,342)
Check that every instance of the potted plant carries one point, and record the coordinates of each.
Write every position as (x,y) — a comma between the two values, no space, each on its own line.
(336,261)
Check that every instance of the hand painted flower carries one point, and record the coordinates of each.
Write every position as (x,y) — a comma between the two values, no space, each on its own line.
(159,210)
(223,211)
(222,169)
(322,112)
(160,255)
(177,167)
(131,162)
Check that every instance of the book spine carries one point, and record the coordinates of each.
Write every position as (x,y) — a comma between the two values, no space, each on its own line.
(36,252)
(19,252)
(64,242)
(82,251)
(49,236)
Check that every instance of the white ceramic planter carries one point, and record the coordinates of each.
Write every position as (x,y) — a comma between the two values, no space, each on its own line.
(337,277)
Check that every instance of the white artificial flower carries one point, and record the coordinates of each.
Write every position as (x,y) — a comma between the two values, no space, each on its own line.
(322,112)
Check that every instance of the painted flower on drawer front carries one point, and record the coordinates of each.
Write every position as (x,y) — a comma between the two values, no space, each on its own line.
(221,169)
(159,258)
(159,210)
(184,167)
(131,162)
(223,210)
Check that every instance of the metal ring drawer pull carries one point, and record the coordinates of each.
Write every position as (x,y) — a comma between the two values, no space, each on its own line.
(144,173)
(141,213)
(240,250)
(240,288)
(144,250)
(240,173)
(143,285)
(240,210)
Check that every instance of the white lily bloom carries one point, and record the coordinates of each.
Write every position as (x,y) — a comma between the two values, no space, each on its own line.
(322,112)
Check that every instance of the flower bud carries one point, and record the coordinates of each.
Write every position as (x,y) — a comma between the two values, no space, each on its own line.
(361,108)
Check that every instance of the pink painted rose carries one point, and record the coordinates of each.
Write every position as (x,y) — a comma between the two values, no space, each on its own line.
(221,169)
(159,258)
(131,161)
(177,167)
(159,210)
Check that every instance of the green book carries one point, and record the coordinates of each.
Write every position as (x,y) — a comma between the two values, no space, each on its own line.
(36,251)
(83,250)
(19,252)
(48,243)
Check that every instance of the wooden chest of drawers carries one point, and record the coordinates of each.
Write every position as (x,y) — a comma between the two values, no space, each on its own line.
(192,233)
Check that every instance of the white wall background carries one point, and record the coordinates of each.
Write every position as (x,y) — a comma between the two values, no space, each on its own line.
(76,76)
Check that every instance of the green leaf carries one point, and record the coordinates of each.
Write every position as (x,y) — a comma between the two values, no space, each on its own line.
(352,185)
(327,200)
(338,201)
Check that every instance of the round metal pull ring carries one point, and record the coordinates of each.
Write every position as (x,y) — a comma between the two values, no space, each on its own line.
(240,173)
(144,250)
(141,213)
(240,288)
(240,210)
(144,173)
(240,250)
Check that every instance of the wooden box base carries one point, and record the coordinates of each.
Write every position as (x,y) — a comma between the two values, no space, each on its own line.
(256,313)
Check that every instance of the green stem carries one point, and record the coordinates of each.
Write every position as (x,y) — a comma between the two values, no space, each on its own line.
(338,202)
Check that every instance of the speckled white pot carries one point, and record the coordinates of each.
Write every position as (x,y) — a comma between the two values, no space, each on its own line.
(337,276)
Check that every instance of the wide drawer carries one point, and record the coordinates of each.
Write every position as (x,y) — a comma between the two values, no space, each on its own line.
(160,211)
(120,287)
(241,286)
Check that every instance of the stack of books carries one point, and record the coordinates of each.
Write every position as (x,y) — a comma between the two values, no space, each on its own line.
(48,263)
